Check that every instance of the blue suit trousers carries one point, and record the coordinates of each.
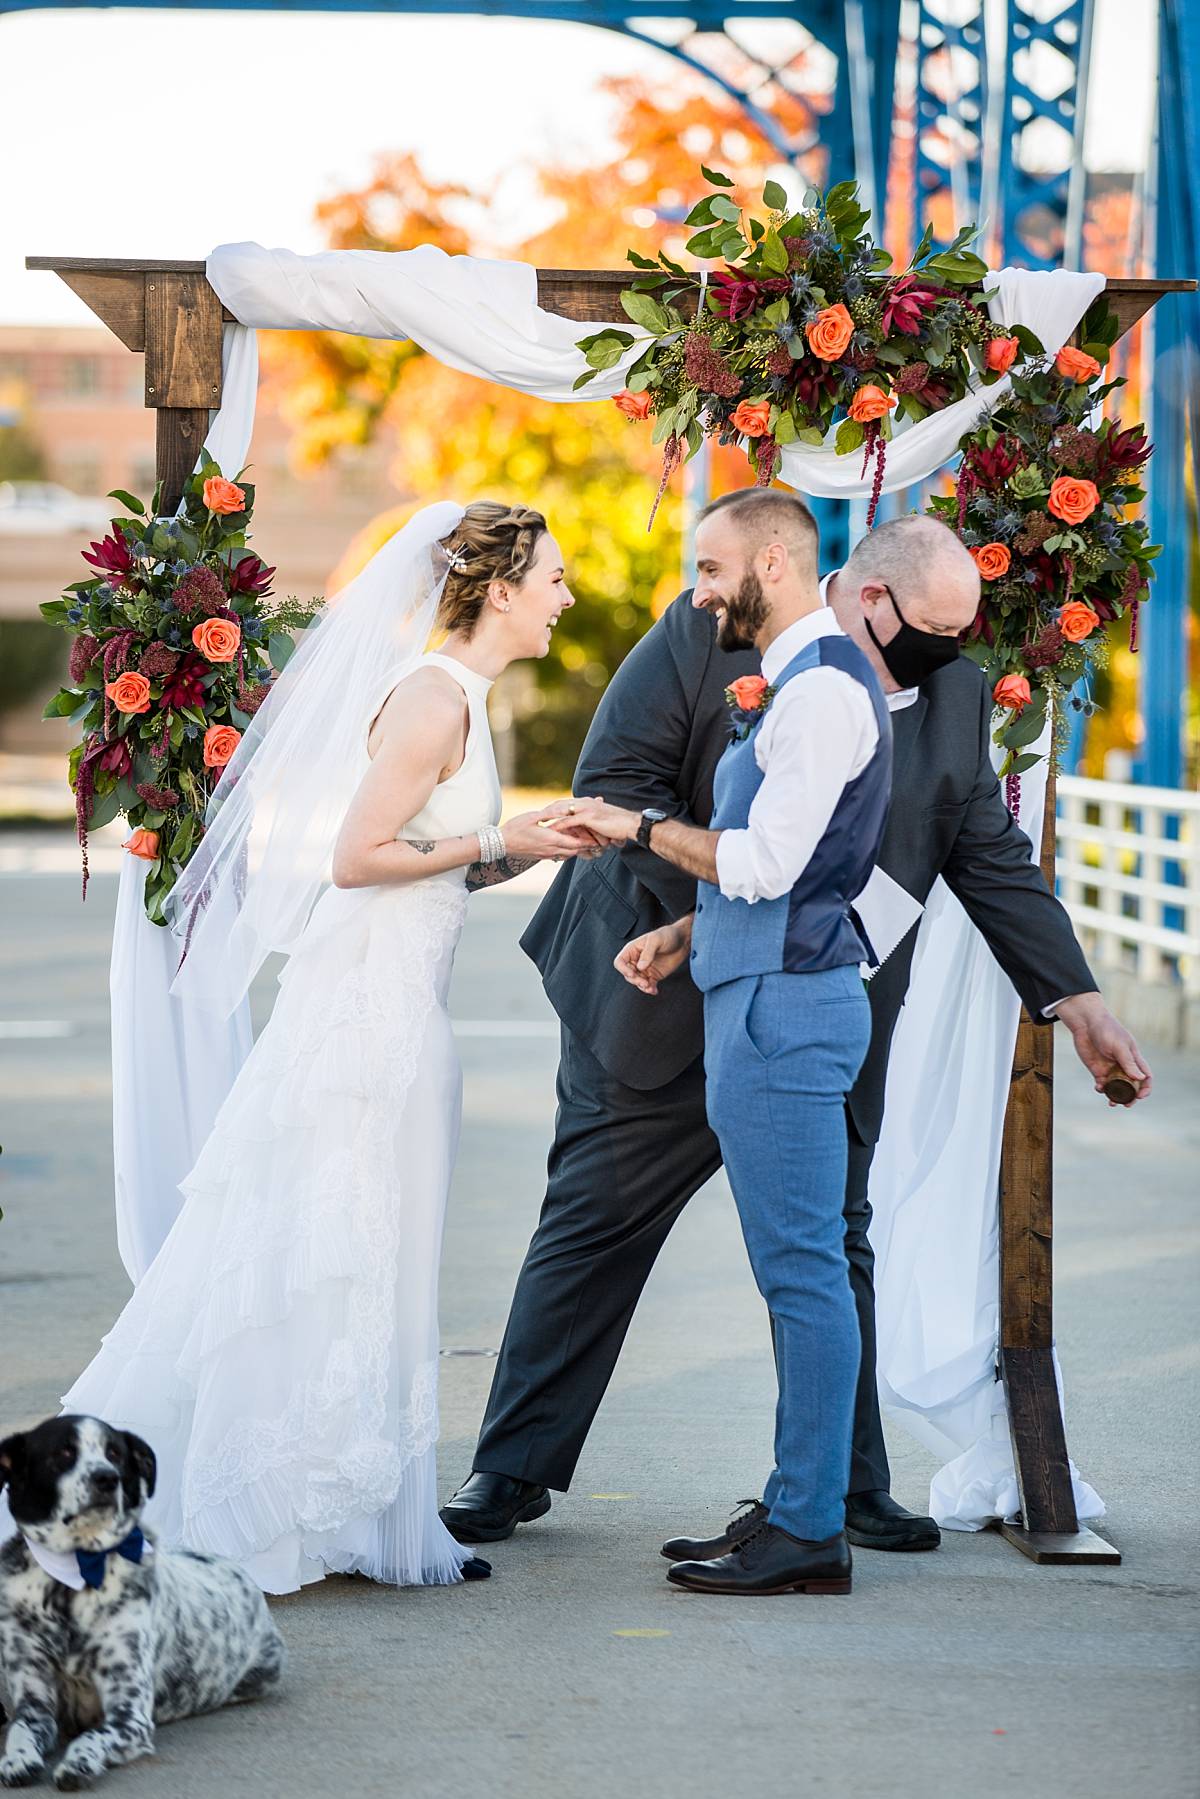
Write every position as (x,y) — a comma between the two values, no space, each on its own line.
(781,1052)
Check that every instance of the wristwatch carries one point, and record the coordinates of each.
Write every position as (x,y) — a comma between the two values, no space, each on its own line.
(650,817)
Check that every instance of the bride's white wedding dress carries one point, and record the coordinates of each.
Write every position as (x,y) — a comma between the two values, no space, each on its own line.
(280,1353)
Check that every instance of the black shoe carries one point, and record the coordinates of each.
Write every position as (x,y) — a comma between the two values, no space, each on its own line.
(488,1507)
(707,1549)
(771,1561)
(476,1569)
(875,1521)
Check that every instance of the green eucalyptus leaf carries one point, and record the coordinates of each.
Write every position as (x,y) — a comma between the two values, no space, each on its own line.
(104,810)
(646,312)
(715,178)
(774,252)
(127,500)
(774,197)
(850,437)
(281,648)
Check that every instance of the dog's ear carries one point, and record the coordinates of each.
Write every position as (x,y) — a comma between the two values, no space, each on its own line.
(141,1460)
(12,1458)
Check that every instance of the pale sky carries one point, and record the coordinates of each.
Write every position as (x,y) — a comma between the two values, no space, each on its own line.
(127,133)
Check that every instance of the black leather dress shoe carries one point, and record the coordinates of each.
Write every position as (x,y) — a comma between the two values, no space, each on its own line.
(771,1561)
(488,1507)
(875,1521)
(476,1569)
(751,1513)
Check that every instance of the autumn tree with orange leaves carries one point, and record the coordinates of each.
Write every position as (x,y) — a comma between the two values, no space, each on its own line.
(590,470)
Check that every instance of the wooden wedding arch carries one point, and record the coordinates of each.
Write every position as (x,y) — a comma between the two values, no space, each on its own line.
(168,310)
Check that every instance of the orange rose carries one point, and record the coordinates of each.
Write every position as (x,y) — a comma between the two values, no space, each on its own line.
(634,406)
(222,496)
(747,691)
(220,741)
(830,332)
(129,693)
(992,560)
(1012,692)
(752,418)
(218,639)
(1002,353)
(1077,621)
(870,402)
(1073,500)
(143,844)
(1076,365)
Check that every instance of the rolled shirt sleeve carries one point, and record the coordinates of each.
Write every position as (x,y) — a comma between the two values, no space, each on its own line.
(819,734)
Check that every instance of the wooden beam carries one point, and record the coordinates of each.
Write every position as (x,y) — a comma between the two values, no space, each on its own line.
(1049,1528)
(183,341)
(589,295)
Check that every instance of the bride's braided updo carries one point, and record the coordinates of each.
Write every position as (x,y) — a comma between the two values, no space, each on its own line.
(494,542)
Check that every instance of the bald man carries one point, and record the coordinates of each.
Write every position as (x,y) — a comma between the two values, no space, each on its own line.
(632,1140)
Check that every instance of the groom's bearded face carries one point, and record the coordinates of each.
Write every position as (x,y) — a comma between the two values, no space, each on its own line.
(744,616)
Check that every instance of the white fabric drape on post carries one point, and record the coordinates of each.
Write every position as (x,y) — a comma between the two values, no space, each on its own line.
(935,1177)
(172,1064)
(935,1231)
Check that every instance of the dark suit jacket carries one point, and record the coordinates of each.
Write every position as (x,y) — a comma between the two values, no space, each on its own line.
(657,736)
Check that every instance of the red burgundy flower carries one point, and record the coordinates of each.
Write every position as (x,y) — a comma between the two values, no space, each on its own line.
(251,575)
(993,466)
(906,306)
(116,758)
(186,686)
(737,296)
(1123,450)
(112,556)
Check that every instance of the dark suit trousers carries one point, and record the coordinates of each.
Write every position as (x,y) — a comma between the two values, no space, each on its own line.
(622,1167)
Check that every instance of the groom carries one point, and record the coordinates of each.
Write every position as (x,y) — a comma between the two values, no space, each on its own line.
(801,798)
(632,1142)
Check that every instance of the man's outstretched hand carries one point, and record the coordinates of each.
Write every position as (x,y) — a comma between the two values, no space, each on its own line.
(1103,1045)
(649,959)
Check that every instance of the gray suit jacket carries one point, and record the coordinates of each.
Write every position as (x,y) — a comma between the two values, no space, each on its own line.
(657,736)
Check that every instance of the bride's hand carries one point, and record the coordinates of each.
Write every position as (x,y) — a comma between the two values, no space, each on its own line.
(526,837)
(649,959)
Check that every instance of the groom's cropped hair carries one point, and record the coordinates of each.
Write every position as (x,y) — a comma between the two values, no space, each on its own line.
(771,515)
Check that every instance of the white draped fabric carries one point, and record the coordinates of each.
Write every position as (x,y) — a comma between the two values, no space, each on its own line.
(935,1176)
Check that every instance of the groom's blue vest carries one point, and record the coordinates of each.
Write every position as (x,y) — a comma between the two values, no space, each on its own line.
(811,927)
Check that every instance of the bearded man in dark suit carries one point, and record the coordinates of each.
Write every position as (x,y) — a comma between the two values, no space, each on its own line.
(632,1141)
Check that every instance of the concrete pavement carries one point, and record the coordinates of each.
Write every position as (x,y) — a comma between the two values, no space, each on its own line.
(576,1671)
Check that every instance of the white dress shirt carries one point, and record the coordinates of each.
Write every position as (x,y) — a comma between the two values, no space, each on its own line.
(819,733)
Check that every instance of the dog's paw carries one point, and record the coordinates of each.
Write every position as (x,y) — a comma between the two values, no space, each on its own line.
(77,1770)
(20,1770)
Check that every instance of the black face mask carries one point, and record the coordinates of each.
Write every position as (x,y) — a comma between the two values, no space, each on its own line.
(911,656)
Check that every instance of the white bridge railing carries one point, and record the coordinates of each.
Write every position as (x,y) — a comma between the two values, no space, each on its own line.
(1128,863)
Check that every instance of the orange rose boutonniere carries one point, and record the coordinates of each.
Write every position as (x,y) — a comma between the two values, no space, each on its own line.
(748,699)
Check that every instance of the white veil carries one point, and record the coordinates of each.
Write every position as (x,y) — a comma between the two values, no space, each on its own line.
(274,818)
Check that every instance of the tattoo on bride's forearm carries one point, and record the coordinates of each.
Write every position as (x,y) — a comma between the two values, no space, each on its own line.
(494,874)
(423,846)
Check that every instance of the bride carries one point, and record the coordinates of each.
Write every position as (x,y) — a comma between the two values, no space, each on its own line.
(280,1354)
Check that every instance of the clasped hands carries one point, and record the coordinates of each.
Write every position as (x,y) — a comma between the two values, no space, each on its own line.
(578,827)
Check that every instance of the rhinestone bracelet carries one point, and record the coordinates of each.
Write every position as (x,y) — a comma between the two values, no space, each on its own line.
(491,843)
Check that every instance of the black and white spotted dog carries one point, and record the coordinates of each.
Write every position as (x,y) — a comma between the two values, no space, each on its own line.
(102,1634)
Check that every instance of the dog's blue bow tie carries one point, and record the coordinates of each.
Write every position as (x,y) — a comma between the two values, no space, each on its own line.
(92,1562)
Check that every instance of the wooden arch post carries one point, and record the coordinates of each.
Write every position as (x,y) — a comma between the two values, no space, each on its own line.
(168,310)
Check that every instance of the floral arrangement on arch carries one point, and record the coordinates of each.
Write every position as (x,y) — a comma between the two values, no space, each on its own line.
(804,329)
(175,650)
(1044,501)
